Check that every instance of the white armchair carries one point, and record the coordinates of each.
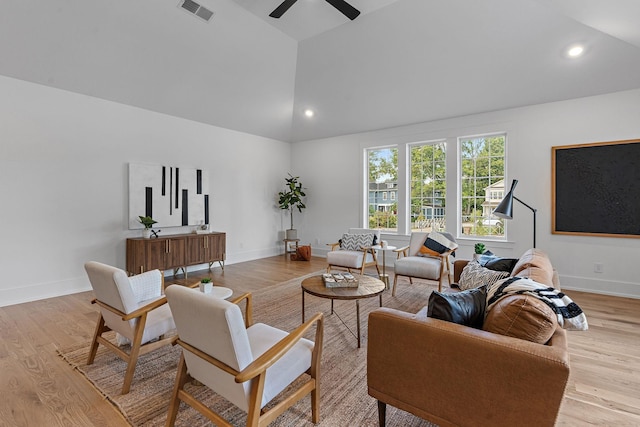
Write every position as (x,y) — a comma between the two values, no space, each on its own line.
(353,251)
(412,263)
(135,308)
(246,364)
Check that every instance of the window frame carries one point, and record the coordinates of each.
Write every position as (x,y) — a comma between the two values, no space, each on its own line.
(459,196)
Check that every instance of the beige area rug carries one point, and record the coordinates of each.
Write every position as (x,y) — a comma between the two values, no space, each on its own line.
(344,401)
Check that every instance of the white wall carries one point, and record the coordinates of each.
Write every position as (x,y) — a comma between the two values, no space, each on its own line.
(332,169)
(64,184)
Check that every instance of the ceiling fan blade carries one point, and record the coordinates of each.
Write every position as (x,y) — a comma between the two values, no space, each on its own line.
(344,7)
(280,10)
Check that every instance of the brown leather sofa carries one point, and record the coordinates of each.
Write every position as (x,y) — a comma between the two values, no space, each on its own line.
(454,375)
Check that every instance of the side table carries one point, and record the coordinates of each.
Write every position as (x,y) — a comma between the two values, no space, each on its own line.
(286,246)
(384,277)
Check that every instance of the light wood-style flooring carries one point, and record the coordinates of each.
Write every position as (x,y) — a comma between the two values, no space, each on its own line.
(40,389)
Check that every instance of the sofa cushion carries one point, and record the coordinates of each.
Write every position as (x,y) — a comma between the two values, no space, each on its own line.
(348,259)
(521,316)
(465,308)
(354,242)
(534,264)
(436,244)
(474,275)
(568,313)
(498,264)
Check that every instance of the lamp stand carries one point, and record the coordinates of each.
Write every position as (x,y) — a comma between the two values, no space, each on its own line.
(534,210)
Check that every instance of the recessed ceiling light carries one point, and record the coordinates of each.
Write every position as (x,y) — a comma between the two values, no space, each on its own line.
(575,51)
(309,113)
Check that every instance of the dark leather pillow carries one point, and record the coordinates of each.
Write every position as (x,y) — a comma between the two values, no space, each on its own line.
(464,308)
(498,264)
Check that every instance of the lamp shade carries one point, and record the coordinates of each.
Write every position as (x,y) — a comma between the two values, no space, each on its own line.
(505,208)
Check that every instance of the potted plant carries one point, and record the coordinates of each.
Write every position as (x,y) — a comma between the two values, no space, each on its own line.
(292,198)
(206,286)
(479,249)
(148,222)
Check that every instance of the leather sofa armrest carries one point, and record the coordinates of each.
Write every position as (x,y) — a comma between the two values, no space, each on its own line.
(450,374)
(458,266)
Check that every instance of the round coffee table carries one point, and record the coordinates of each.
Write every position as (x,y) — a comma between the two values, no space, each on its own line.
(216,291)
(368,287)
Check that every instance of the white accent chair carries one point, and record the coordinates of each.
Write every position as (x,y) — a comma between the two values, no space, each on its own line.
(353,258)
(135,308)
(246,364)
(410,264)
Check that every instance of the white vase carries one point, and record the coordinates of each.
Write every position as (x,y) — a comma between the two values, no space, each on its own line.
(206,288)
(146,233)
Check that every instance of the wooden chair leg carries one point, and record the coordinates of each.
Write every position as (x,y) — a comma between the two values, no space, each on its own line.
(135,352)
(395,282)
(315,405)
(255,400)
(382,413)
(181,379)
(94,344)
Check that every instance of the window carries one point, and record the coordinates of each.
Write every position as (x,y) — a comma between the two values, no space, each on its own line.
(428,186)
(382,172)
(482,184)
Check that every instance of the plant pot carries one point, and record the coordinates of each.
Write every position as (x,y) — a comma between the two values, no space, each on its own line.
(206,287)
(476,257)
(291,234)
(146,233)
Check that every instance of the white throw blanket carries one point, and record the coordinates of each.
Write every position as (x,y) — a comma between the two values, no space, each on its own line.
(570,315)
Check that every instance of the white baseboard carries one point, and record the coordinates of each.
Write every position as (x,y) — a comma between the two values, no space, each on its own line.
(41,291)
(604,287)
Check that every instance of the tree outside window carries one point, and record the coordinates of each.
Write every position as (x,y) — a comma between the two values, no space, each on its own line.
(382,170)
(482,181)
(428,186)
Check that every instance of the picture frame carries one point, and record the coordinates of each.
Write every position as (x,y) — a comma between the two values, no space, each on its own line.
(596,189)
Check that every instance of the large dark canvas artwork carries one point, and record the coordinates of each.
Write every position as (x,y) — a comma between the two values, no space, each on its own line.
(595,189)
(172,195)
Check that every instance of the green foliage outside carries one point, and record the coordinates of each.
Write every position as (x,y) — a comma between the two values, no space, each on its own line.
(482,164)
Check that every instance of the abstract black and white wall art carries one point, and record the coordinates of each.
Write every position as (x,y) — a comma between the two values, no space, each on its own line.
(172,195)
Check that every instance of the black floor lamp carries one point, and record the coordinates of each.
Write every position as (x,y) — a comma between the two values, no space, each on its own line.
(505,208)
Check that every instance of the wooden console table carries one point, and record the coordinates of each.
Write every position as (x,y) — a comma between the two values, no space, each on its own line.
(175,252)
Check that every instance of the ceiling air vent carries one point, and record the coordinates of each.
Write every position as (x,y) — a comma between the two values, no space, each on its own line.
(196,9)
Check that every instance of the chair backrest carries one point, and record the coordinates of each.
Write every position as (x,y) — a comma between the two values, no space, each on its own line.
(216,327)
(111,286)
(418,238)
(362,231)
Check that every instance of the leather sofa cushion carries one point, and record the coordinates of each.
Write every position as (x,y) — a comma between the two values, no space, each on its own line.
(464,308)
(521,316)
(534,264)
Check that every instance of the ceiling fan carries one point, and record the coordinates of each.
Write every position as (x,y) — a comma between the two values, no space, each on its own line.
(344,7)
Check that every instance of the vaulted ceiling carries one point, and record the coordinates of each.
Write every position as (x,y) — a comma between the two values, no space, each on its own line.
(399,62)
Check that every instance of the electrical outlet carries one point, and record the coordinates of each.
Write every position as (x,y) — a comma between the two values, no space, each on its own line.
(317,241)
(598,267)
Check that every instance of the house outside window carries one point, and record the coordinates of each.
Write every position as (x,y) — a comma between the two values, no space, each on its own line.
(382,173)
(428,186)
(482,171)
